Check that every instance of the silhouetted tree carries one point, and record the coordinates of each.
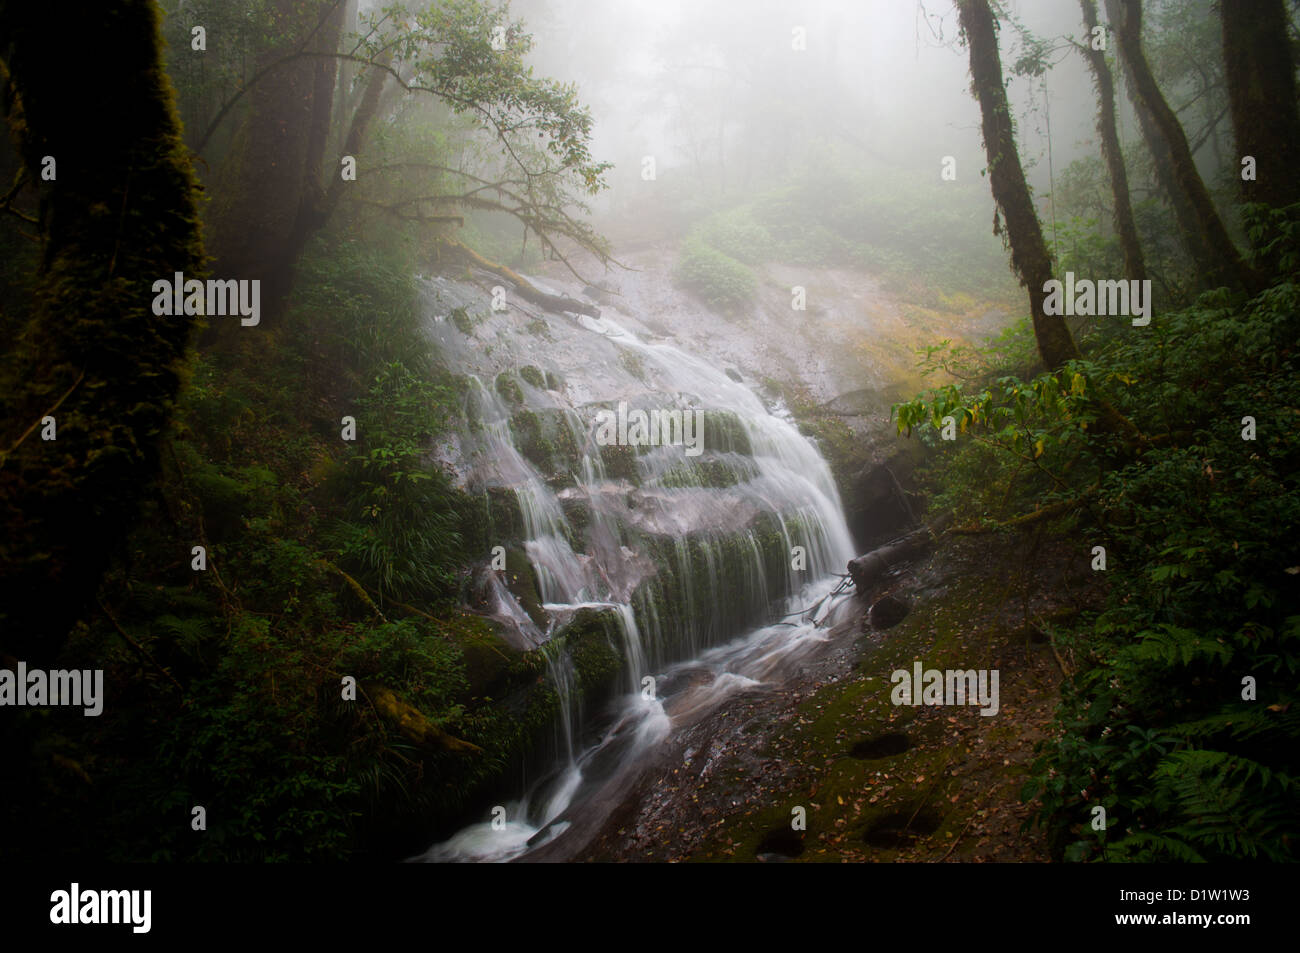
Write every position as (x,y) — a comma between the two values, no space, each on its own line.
(1262,94)
(118,213)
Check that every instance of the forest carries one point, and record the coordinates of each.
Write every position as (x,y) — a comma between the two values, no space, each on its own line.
(650,431)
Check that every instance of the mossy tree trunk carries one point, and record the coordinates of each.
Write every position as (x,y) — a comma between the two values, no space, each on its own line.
(1216,257)
(1029,255)
(120,213)
(1125,225)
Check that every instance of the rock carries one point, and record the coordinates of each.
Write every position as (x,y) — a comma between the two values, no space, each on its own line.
(878,503)
(734,375)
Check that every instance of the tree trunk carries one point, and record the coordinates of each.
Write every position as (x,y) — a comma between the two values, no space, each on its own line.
(362,117)
(270,186)
(1262,97)
(1029,256)
(121,213)
(1125,225)
(1161,157)
(1216,257)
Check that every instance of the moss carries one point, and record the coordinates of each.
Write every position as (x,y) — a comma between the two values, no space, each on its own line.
(488,659)
(464,323)
(503,517)
(533,375)
(527,431)
(521,580)
(509,388)
(724,432)
(577,514)
(620,463)
(554,381)
(594,645)
(633,363)
(545,440)
(706,472)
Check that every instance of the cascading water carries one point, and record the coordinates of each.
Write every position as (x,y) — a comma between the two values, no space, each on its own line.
(693,556)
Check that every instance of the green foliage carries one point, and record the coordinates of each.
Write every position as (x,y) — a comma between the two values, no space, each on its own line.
(1198,529)
(248,720)
(400,531)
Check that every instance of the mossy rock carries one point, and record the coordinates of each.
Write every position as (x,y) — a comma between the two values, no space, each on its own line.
(545,440)
(577,513)
(706,472)
(526,429)
(488,658)
(505,518)
(464,323)
(223,501)
(593,643)
(516,729)
(533,375)
(521,580)
(724,432)
(509,388)
(620,463)
(633,363)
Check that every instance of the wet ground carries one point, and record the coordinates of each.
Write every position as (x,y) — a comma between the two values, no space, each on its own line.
(875,781)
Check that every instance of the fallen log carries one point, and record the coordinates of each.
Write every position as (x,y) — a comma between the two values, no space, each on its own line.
(526,289)
(408,720)
(867,570)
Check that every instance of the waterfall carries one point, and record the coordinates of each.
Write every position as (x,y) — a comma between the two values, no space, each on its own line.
(695,558)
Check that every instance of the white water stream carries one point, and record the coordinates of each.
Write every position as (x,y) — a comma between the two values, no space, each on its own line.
(714,639)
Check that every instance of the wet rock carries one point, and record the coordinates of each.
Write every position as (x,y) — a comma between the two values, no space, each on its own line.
(881,501)
(734,375)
